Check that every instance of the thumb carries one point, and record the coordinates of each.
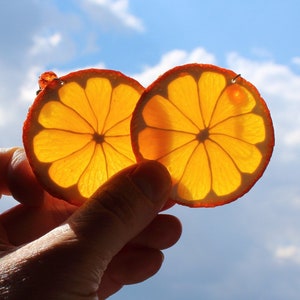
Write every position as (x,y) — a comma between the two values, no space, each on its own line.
(121,208)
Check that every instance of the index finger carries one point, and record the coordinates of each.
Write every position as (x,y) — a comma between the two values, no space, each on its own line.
(17,178)
(5,159)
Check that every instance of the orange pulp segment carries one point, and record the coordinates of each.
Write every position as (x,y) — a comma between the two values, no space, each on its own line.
(77,132)
(209,127)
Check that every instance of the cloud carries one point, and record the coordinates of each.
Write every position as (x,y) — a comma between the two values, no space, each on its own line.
(45,43)
(289,253)
(272,78)
(292,138)
(29,86)
(171,59)
(112,13)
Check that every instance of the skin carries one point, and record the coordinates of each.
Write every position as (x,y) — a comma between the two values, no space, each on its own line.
(50,249)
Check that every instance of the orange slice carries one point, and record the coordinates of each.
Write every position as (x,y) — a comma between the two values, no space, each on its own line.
(209,127)
(77,132)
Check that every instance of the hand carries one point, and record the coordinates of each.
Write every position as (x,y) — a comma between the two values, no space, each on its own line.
(53,250)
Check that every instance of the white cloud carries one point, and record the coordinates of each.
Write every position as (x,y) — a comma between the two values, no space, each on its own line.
(29,86)
(171,59)
(42,44)
(272,78)
(292,138)
(112,12)
(289,253)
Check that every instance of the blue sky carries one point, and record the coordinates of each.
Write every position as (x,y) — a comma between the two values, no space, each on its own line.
(249,249)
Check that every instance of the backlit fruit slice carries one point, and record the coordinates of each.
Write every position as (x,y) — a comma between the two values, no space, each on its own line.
(77,132)
(209,127)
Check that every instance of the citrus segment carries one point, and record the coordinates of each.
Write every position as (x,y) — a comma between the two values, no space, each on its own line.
(209,127)
(55,144)
(225,175)
(131,95)
(77,132)
(155,112)
(53,115)
(94,174)
(215,84)
(233,102)
(249,128)
(74,163)
(98,88)
(199,191)
(245,155)
(185,86)
(72,95)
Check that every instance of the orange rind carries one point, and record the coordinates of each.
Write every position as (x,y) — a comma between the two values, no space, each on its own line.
(209,127)
(77,132)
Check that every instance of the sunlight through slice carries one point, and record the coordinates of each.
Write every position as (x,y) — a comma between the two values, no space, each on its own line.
(209,127)
(77,132)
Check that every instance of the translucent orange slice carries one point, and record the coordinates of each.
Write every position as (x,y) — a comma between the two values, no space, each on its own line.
(209,127)
(77,132)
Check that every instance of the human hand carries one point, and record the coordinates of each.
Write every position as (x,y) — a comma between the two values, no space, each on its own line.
(50,249)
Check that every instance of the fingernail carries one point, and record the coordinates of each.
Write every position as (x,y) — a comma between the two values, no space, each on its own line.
(153,179)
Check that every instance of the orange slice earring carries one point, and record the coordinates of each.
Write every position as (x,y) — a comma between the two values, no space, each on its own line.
(77,132)
(209,127)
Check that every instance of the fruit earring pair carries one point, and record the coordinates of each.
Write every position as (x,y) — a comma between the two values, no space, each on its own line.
(207,125)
